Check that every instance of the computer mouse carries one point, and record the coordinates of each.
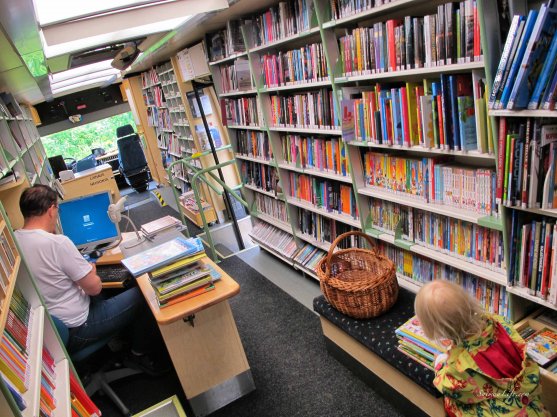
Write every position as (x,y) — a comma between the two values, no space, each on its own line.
(95,254)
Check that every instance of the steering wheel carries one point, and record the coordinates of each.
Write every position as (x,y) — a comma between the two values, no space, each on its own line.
(70,163)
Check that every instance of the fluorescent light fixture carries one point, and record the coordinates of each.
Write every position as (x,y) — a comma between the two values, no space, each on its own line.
(81,85)
(112,37)
(86,77)
(53,11)
(79,71)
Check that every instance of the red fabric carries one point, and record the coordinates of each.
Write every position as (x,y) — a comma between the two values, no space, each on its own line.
(503,359)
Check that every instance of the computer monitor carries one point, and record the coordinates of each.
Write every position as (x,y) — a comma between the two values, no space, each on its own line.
(58,164)
(85,221)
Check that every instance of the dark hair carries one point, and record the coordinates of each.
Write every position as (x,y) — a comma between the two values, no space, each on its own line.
(36,200)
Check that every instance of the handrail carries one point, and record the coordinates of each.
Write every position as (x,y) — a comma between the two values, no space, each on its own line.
(198,176)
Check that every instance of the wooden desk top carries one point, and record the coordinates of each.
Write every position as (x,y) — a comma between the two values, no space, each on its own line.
(225,288)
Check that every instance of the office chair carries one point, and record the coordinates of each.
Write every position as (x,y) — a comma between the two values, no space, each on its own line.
(88,162)
(133,164)
(99,380)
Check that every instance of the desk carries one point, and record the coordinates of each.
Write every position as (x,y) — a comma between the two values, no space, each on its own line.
(90,181)
(204,345)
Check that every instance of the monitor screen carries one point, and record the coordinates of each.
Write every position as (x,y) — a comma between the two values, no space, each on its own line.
(85,220)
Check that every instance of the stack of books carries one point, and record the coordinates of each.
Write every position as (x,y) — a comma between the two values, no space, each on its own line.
(541,346)
(175,270)
(414,344)
(183,279)
(159,225)
(81,403)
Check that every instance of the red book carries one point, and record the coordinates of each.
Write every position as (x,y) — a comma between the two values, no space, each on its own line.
(391,43)
(405,116)
(440,118)
(501,160)
(77,390)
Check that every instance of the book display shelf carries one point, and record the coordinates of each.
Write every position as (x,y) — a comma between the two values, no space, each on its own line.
(372,119)
(35,369)
(23,160)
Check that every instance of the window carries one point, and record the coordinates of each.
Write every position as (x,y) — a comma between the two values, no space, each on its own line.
(78,141)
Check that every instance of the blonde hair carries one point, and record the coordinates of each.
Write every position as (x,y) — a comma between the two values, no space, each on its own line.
(447,311)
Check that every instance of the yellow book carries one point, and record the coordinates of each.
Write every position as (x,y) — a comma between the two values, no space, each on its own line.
(412,112)
(78,407)
(12,376)
(177,265)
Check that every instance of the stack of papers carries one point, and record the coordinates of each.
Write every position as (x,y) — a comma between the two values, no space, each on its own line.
(413,343)
(159,225)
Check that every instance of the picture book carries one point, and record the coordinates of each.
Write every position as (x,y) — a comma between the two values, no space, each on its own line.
(187,296)
(199,282)
(166,286)
(542,347)
(177,265)
(162,254)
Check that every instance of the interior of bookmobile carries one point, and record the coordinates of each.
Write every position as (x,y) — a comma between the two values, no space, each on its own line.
(428,126)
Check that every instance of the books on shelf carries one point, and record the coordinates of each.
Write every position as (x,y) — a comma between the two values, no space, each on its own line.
(192,62)
(162,254)
(81,403)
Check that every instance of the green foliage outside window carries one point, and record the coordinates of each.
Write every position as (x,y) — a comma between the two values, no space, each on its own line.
(78,141)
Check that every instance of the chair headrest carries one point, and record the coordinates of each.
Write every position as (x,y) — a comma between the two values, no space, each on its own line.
(125,130)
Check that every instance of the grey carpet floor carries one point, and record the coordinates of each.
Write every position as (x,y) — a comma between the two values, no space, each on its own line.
(293,373)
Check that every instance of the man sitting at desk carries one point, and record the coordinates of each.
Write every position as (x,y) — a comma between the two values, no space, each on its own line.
(70,285)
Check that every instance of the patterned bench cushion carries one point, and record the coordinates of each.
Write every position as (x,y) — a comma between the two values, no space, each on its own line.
(378,335)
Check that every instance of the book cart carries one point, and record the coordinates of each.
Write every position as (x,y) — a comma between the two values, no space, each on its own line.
(36,376)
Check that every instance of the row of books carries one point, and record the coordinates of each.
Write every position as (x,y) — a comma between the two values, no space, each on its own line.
(451,36)
(387,216)
(15,344)
(280,21)
(312,110)
(327,194)
(533,260)
(149,78)
(320,228)
(468,241)
(236,76)
(154,96)
(316,153)
(308,256)
(48,384)
(81,403)
(344,8)
(7,259)
(432,180)
(527,150)
(242,111)
(306,64)
(275,238)
(434,114)
(253,144)
(526,76)
(271,206)
(413,343)
(226,42)
(418,269)
(260,176)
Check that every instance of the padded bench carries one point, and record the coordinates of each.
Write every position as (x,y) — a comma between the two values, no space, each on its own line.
(369,348)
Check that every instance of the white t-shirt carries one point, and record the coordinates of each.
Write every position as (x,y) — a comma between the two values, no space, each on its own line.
(56,264)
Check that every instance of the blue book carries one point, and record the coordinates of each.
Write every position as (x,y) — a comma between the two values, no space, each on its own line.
(530,22)
(537,47)
(467,123)
(162,255)
(446,109)
(455,123)
(550,94)
(547,71)
(397,117)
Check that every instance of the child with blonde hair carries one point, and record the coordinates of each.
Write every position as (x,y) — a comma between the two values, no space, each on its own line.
(486,371)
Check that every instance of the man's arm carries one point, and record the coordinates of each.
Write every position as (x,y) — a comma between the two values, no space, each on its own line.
(91,283)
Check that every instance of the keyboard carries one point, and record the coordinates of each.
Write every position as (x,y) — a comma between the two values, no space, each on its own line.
(113,274)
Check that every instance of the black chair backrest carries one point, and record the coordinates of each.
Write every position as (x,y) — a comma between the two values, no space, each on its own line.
(125,130)
(132,158)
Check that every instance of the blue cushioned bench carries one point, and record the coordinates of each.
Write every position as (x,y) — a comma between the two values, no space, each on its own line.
(369,348)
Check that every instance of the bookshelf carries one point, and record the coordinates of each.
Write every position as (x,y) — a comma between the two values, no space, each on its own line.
(171,111)
(286,125)
(44,361)
(21,153)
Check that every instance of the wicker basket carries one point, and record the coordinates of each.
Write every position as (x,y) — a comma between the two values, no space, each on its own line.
(358,282)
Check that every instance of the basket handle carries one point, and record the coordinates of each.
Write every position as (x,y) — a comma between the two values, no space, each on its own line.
(337,241)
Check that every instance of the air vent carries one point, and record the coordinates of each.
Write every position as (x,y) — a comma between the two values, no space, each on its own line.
(99,54)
